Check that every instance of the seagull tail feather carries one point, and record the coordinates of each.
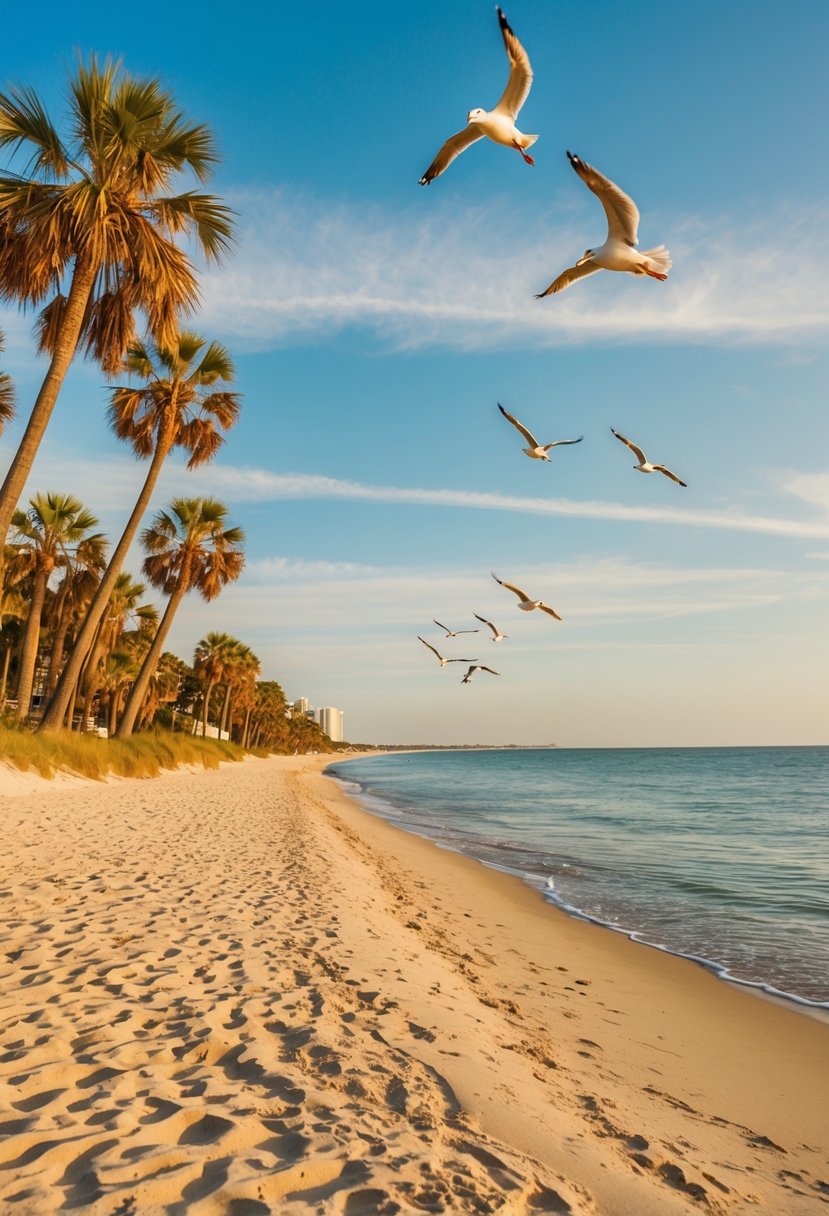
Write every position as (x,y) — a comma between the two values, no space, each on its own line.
(660,258)
(527,141)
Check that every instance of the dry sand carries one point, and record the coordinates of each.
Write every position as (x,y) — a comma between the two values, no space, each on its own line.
(234,992)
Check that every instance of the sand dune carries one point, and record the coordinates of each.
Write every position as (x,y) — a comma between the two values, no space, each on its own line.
(232,992)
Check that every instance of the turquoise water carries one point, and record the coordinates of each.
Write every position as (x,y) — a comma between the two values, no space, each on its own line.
(719,854)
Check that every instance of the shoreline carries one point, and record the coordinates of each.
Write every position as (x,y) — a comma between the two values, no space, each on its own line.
(818,1010)
(236,989)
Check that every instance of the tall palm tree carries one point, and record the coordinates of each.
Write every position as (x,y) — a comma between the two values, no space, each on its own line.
(81,576)
(185,403)
(44,537)
(189,548)
(6,396)
(124,609)
(210,663)
(89,220)
(241,671)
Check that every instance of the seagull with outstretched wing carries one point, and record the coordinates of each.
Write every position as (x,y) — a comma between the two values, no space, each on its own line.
(644,465)
(467,679)
(536,450)
(619,251)
(439,656)
(453,633)
(497,636)
(525,603)
(498,124)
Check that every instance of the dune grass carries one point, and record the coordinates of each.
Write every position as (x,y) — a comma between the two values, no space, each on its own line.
(144,755)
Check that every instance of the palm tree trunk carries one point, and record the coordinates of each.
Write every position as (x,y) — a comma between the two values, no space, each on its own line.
(246,728)
(70,709)
(56,708)
(211,684)
(31,637)
(58,645)
(151,659)
(226,709)
(88,680)
(7,658)
(83,279)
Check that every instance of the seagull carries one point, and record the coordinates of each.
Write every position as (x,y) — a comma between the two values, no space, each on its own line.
(644,465)
(440,657)
(497,636)
(467,679)
(536,450)
(453,633)
(498,124)
(526,604)
(619,250)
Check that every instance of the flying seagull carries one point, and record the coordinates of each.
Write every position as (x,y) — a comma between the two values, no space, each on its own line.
(453,633)
(536,450)
(440,657)
(497,636)
(526,604)
(644,465)
(498,124)
(467,679)
(619,250)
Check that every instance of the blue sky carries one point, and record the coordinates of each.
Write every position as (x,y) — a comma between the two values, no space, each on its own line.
(375,325)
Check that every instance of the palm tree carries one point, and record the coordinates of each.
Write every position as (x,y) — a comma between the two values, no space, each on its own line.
(80,579)
(120,668)
(44,537)
(6,396)
(189,548)
(210,663)
(124,608)
(90,222)
(241,672)
(13,610)
(183,404)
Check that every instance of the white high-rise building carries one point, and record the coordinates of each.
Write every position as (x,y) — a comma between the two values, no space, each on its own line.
(301,706)
(331,723)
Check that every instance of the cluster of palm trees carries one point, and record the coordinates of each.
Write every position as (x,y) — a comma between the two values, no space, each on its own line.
(93,234)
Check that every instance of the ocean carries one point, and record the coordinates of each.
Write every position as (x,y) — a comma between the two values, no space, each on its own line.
(717,854)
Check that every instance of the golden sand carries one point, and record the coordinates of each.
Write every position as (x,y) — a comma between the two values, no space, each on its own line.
(233,992)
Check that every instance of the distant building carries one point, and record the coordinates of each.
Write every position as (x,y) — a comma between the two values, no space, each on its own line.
(331,722)
(301,706)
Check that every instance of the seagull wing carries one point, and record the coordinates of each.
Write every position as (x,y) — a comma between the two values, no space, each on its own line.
(567,277)
(621,211)
(453,147)
(425,643)
(486,622)
(660,468)
(447,631)
(460,660)
(550,611)
(560,443)
(522,595)
(530,438)
(637,451)
(490,670)
(520,73)
(460,631)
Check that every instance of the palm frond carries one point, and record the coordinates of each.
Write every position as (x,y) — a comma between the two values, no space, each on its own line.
(23,120)
(203,214)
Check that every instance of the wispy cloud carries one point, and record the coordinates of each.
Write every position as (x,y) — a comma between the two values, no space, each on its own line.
(117,480)
(466,278)
(250,484)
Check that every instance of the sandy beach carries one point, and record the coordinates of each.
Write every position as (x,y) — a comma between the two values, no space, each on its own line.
(234,992)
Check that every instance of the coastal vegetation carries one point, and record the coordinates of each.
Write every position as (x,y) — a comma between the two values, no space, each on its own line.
(101,230)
